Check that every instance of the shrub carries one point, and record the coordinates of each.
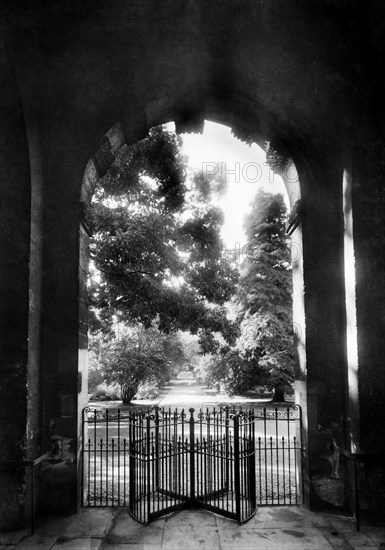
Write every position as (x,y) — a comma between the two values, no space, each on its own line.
(148,390)
(95,378)
(105,392)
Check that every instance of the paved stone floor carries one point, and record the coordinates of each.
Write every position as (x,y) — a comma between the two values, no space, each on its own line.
(273,528)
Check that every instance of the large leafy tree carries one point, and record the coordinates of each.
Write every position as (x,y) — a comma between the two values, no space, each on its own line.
(157,247)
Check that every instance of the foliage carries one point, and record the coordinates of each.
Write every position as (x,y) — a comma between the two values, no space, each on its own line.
(105,392)
(157,245)
(96,382)
(264,297)
(160,269)
(235,372)
(265,354)
(95,378)
(139,356)
(277,160)
(148,390)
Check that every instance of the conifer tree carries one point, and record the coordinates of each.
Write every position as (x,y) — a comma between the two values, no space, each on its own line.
(264,295)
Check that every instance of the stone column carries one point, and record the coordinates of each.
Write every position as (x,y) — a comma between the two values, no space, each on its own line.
(15,226)
(368,229)
(323,390)
(69,178)
(65,317)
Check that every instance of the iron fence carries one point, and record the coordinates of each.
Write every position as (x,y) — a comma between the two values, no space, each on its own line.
(223,459)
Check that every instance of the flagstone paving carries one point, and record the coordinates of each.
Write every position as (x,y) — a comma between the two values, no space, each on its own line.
(272,528)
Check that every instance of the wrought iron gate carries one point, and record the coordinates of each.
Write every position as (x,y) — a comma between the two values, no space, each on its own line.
(224,460)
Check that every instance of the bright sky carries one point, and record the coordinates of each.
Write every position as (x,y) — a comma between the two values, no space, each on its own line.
(243,167)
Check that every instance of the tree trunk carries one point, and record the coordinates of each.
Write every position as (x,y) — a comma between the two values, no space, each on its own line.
(279,395)
(128,393)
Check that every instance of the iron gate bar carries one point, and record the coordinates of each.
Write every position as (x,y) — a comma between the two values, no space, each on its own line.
(192,455)
(215,485)
(164,460)
(237,482)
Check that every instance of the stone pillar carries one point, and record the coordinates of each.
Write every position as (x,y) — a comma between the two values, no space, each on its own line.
(65,319)
(323,390)
(15,226)
(368,228)
(68,187)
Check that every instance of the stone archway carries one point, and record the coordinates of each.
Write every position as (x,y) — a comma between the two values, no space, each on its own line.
(70,72)
(318,325)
